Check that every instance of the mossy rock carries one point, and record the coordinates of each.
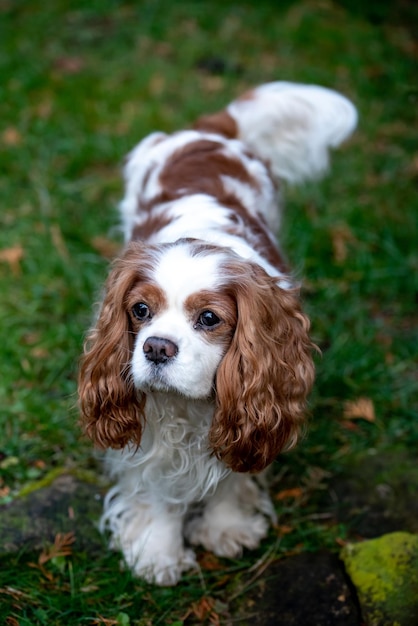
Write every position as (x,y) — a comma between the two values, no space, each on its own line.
(385,574)
(64,504)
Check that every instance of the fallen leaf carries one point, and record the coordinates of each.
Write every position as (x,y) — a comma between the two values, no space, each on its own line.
(201,609)
(341,542)
(157,85)
(212,84)
(58,241)
(44,109)
(62,547)
(362,408)
(39,463)
(282,529)
(11,137)
(210,562)
(341,236)
(40,353)
(12,256)
(285,494)
(351,426)
(31,338)
(69,65)
(100,620)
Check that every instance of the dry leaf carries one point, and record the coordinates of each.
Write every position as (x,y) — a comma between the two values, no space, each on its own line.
(157,85)
(282,529)
(12,256)
(203,610)
(16,594)
(210,562)
(341,236)
(44,109)
(58,242)
(362,408)
(11,137)
(341,542)
(69,65)
(212,84)
(4,491)
(351,426)
(285,494)
(100,620)
(40,353)
(62,546)
(39,463)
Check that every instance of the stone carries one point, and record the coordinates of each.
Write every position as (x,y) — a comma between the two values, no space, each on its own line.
(385,574)
(67,505)
(309,588)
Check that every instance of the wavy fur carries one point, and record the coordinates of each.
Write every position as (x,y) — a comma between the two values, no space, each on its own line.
(264,378)
(197,370)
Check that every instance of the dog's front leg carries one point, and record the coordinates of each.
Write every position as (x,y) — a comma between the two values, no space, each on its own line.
(234,518)
(150,536)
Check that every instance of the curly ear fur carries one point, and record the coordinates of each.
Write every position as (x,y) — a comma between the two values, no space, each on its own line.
(112,410)
(264,378)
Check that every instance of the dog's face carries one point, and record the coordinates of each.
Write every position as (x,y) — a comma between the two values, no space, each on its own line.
(194,319)
(182,320)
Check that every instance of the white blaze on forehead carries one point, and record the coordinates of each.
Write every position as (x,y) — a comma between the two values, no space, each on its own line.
(180,274)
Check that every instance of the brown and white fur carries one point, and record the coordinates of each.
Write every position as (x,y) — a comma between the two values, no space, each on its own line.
(196,372)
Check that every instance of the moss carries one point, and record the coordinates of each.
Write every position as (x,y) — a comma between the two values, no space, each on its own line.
(86,476)
(45,481)
(385,574)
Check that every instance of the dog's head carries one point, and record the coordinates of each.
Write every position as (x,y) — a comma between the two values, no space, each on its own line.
(196,320)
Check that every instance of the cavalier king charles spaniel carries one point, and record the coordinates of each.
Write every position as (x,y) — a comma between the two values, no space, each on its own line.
(196,372)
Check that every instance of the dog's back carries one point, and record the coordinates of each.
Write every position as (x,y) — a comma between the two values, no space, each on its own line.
(290,126)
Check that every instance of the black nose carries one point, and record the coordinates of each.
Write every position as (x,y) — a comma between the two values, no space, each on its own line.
(159,350)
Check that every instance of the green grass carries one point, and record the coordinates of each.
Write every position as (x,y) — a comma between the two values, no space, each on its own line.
(81,84)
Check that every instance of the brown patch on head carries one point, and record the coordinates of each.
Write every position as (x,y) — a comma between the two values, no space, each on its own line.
(220,303)
(221,123)
(150,295)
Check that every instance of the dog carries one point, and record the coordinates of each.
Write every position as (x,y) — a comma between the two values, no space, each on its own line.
(197,370)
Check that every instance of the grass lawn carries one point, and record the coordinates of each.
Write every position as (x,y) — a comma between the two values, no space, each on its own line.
(81,83)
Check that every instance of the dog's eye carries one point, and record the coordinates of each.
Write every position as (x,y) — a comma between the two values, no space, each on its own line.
(208,319)
(141,311)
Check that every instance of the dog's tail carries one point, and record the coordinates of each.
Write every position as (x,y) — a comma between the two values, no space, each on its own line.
(291,126)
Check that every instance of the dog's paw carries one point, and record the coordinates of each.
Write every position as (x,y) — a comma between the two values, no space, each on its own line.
(232,540)
(165,570)
(229,539)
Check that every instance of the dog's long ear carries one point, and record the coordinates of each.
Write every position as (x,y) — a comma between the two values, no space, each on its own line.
(112,410)
(264,378)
